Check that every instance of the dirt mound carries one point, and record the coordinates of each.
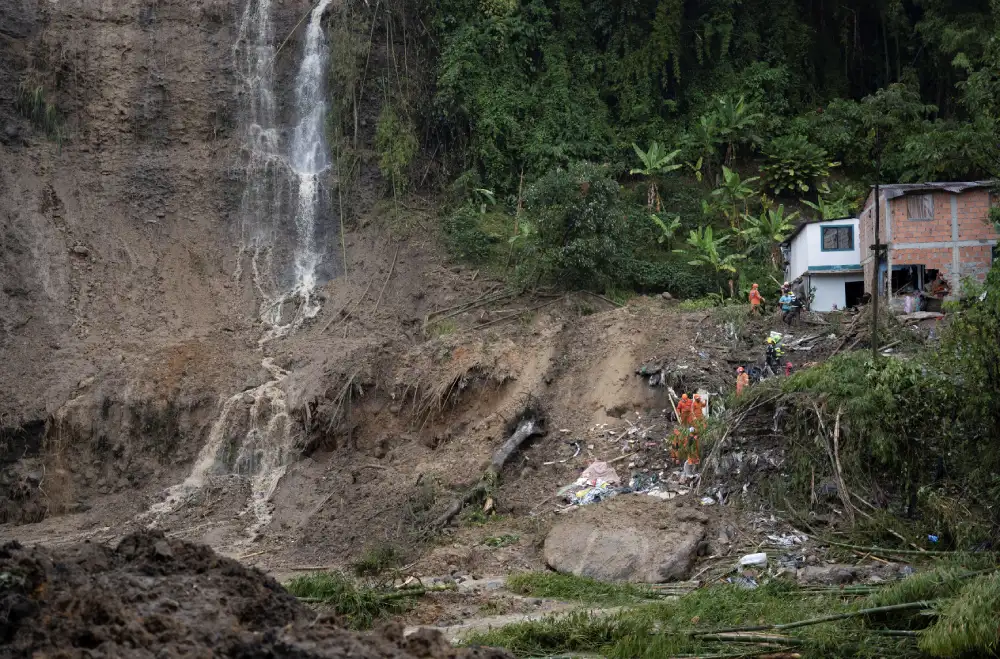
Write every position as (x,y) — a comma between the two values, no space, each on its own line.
(152,596)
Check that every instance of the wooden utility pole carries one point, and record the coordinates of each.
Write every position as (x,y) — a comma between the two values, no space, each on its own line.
(877,247)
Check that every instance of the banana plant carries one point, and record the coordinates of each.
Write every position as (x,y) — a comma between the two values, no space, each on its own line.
(706,250)
(735,122)
(829,207)
(735,194)
(657,160)
(765,232)
(668,228)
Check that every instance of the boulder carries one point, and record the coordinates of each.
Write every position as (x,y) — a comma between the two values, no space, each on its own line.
(628,538)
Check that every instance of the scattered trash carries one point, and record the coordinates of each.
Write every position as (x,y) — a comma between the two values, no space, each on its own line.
(707,501)
(755,560)
(907,571)
(597,473)
(932,538)
(593,494)
(788,540)
(746,583)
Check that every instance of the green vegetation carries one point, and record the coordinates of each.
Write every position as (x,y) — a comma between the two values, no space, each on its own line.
(33,103)
(498,541)
(360,606)
(581,589)
(909,430)
(943,612)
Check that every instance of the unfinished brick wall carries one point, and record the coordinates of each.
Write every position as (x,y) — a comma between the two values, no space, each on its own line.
(957,240)
(973,216)
(905,230)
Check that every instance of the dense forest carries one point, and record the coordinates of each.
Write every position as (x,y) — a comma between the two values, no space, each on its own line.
(706,127)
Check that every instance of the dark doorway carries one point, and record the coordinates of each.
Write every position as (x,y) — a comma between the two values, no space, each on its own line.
(853,292)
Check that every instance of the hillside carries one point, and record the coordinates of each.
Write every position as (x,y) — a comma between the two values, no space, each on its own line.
(289,280)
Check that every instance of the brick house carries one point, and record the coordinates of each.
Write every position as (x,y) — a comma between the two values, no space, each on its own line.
(934,232)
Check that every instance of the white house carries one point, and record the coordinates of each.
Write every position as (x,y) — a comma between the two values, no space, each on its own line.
(827,255)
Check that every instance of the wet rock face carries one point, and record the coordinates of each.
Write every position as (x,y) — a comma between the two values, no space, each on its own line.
(156,597)
(628,538)
(117,238)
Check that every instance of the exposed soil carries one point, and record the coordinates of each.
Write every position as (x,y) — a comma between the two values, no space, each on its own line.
(129,327)
(155,597)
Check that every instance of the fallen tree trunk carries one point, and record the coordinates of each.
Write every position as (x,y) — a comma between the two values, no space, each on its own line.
(526,429)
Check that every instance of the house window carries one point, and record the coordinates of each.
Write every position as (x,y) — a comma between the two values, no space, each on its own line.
(838,239)
(920,207)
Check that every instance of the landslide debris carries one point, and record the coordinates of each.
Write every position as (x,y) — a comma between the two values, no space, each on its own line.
(156,597)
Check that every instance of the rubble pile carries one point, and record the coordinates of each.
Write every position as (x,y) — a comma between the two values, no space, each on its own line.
(156,597)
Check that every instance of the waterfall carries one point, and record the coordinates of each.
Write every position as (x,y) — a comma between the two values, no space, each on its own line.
(279,209)
(308,155)
(283,188)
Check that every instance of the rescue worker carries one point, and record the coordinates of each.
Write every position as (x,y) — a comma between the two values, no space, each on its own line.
(799,290)
(788,368)
(742,380)
(697,412)
(685,410)
(756,300)
(787,302)
(772,355)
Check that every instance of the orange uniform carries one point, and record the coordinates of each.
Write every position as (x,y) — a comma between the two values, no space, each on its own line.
(755,298)
(742,382)
(685,411)
(697,414)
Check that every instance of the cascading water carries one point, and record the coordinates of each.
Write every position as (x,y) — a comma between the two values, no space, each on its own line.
(278,186)
(283,190)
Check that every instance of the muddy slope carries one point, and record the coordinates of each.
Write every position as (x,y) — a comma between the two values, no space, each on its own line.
(154,597)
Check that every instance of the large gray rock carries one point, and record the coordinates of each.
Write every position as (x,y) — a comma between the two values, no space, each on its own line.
(629,538)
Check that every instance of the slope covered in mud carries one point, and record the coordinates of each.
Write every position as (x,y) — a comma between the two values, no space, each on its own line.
(154,597)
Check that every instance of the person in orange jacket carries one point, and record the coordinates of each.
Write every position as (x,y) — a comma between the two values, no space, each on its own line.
(756,299)
(697,412)
(684,410)
(742,380)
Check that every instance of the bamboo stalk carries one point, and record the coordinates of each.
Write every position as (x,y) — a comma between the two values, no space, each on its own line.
(907,552)
(908,606)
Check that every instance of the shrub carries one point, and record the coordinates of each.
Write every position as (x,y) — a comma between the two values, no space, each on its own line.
(396,143)
(580,228)
(794,164)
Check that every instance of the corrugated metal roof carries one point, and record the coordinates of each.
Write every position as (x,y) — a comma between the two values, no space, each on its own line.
(900,189)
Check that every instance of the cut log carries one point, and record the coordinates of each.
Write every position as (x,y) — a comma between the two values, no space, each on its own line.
(526,429)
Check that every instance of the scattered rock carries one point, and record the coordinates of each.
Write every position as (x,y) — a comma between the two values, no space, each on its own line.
(628,538)
(162,550)
(827,574)
(81,250)
(666,296)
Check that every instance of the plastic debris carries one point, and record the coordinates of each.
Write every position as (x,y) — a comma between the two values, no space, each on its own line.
(788,540)
(593,494)
(932,538)
(746,583)
(755,560)
(707,501)
(599,472)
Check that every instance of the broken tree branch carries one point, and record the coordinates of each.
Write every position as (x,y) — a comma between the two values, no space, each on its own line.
(387,278)
(340,317)
(525,430)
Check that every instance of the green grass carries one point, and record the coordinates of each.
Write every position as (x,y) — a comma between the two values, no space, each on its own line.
(498,541)
(580,589)
(670,629)
(961,620)
(967,623)
(443,328)
(360,607)
(699,304)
